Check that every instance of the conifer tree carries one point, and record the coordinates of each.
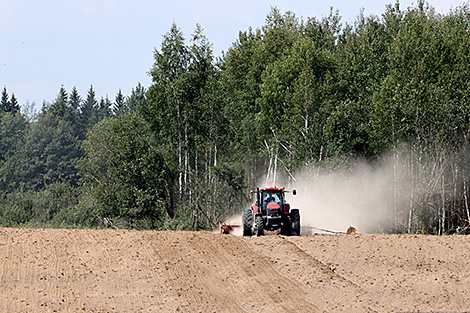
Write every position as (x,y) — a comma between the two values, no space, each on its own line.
(5,102)
(74,100)
(88,112)
(60,107)
(14,105)
(118,103)
(137,98)
(104,108)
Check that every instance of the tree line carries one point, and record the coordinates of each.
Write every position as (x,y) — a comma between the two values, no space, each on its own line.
(290,96)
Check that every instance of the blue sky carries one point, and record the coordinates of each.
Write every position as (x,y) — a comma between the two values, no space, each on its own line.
(109,43)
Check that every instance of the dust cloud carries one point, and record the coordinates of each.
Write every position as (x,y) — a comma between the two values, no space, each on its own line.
(361,196)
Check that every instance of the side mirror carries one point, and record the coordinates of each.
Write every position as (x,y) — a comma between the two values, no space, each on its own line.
(251,193)
(294,192)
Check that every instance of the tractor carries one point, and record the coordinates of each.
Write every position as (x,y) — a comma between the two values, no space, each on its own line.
(271,212)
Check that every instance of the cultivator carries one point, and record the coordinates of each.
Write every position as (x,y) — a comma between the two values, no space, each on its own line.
(227,228)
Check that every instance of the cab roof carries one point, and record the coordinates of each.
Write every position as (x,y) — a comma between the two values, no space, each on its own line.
(274,188)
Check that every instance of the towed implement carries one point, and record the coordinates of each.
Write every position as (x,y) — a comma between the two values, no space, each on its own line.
(227,228)
(271,212)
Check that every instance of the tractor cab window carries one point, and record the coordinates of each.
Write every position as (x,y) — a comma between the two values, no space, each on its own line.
(271,197)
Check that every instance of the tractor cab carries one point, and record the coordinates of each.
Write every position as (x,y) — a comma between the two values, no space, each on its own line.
(271,199)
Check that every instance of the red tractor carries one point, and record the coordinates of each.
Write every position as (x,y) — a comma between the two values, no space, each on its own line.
(271,212)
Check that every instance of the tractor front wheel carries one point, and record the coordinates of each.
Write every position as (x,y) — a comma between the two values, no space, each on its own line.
(247,219)
(259,226)
(295,222)
(286,226)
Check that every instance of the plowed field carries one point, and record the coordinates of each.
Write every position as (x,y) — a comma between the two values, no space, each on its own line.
(137,271)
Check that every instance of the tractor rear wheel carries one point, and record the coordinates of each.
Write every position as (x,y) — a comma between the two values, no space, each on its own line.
(259,226)
(247,219)
(295,222)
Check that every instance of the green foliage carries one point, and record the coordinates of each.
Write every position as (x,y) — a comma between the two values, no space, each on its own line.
(47,156)
(127,172)
(13,128)
(52,206)
(183,118)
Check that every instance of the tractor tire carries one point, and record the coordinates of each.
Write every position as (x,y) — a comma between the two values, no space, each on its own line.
(247,219)
(286,225)
(259,226)
(295,222)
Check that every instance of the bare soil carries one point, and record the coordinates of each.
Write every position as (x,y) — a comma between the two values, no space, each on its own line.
(44,270)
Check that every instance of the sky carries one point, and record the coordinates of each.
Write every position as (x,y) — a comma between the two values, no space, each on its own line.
(109,44)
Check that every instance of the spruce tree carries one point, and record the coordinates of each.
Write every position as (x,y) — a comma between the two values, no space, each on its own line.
(14,105)
(5,103)
(137,98)
(118,103)
(89,113)
(74,99)
(60,107)
(104,108)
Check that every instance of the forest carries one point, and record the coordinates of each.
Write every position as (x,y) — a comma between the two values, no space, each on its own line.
(294,95)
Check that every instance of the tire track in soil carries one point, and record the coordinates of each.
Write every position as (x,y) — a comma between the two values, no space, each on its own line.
(209,296)
(182,293)
(13,273)
(17,272)
(128,293)
(101,267)
(318,280)
(226,275)
(326,269)
(53,275)
(110,271)
(114,258)
(131,272)
(6,254)
(15,282)
(283,291)
(46,284)
(92,286)
(153,276)
(110,300)
(62,271)
(227,266)
(47,281)
(201,244)
(87,287)
(72,274)
(86,255)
